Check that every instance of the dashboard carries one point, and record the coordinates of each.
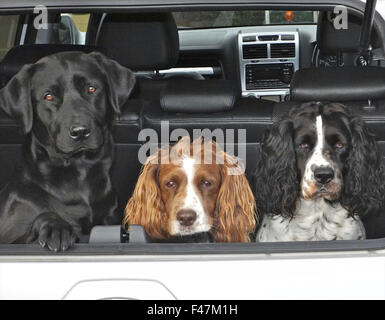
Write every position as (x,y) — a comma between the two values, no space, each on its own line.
(261,59)
(267,62)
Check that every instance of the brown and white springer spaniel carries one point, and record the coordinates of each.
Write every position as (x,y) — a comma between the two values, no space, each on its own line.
(192,188)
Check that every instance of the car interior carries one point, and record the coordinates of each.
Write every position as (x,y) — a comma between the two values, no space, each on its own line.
(227,69)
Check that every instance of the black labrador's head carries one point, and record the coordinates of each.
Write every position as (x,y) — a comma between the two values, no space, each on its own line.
(67,99)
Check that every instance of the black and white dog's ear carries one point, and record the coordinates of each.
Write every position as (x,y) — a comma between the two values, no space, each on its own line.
(15,98)
(276,177)
(120,80)
(364,187)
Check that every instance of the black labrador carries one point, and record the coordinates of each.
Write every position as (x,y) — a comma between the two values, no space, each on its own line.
(65,104)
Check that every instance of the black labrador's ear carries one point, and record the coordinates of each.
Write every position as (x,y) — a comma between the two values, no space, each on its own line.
(15,98)
(276,177)
(120,80)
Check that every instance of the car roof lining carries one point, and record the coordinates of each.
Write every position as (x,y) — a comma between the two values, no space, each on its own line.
(145,5)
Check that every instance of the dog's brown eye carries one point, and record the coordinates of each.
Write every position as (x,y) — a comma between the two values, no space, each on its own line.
(91,89)
(171,184)
(339,145)
(206,184)
(48,97)
(304,145)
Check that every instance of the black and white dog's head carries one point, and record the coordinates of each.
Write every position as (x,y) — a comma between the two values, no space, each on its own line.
(322,143)
(319,151)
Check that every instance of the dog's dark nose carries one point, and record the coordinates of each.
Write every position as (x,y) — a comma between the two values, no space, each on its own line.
(324,174)
(186,217)
(79,132)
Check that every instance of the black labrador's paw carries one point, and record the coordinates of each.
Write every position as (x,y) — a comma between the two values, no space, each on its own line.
(51,231)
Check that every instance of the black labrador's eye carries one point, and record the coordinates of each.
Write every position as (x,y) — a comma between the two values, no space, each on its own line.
(206,184)
(48,97)
(171,184)
(91,89)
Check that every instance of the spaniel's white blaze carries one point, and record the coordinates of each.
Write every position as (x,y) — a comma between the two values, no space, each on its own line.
(317,159)
(192,201)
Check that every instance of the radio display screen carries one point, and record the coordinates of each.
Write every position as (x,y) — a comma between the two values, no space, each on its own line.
(276,75)
(268,73)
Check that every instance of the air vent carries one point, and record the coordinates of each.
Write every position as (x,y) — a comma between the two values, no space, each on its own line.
(282,50)
(258,51)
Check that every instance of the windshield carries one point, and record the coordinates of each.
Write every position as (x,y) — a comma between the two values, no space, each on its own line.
(217,19)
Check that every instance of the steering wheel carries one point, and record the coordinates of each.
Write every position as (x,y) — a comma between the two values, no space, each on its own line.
(320,60)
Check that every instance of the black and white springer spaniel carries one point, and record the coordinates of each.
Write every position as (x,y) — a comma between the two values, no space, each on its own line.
(320,172)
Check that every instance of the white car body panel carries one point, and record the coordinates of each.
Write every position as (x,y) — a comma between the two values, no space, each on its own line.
(342,275)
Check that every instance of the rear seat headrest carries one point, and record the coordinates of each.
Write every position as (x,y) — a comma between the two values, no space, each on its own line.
(140,41)
(331,40)
(18,56)
(338,84)
(191,96)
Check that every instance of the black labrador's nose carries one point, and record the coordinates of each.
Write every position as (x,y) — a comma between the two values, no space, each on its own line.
(324,174)
(186,217)
(79,132)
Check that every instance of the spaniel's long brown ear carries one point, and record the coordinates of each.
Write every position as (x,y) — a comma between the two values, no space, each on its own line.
(235,211)
(146,207)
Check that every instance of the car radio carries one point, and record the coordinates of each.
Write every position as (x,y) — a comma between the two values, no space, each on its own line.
(268,76)
(267,62)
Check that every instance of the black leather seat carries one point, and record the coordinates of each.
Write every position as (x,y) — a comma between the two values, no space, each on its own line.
(194,106)
(140,41)
(341,43)
(360,88)
(338,84)
(185,105)
(143,42)
(332,40)
(148,42)
(18,56)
